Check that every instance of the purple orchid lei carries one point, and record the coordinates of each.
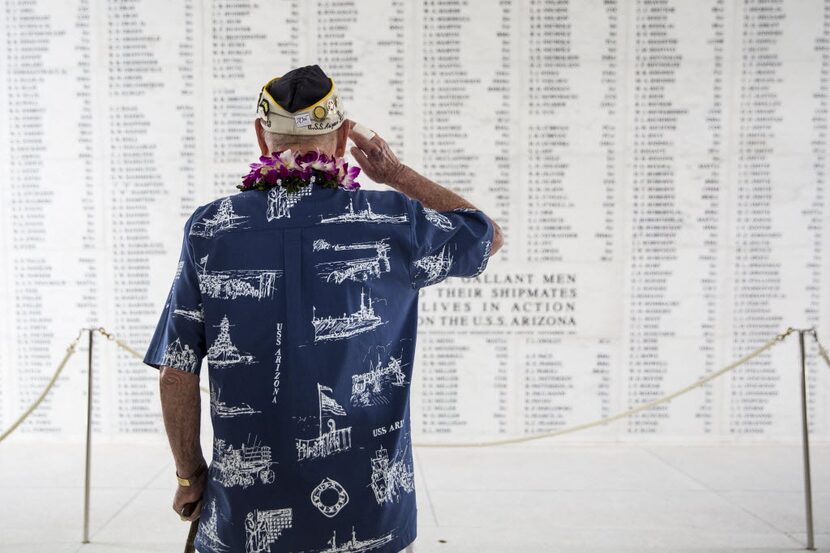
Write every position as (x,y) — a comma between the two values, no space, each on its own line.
(293,170)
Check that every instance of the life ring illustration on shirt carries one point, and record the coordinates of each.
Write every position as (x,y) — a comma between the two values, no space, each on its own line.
(334,508)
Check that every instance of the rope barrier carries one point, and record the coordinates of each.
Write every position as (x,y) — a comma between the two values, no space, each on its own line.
(642,407)
(69,351)
(121,343)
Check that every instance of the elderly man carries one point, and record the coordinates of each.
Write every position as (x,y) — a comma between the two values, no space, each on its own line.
(301,290)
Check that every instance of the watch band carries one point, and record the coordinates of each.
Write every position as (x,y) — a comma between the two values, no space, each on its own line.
(186,482)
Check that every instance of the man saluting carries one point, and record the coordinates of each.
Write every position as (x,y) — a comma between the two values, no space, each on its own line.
(301,290)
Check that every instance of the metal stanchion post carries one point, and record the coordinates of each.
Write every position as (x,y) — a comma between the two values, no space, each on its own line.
(88,438)
(805,442)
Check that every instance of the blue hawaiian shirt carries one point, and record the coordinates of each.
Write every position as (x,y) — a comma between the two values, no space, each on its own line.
(305,305)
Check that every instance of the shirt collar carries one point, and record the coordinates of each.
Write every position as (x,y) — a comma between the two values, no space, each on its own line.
(318,193)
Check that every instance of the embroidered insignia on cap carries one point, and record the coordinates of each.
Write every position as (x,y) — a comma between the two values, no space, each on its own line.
(320,112)
(264,108)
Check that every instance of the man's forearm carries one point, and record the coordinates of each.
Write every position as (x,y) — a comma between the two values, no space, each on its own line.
(181,408)
(429,193)
(435,196)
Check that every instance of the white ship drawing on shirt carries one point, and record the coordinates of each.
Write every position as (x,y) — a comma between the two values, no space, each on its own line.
(389,478)
(222,409)
(180,356)
(209,531)
(360,269)
(330,328)
(241,467)
(280,201)
(436,266)
(262,528)
(231,284)
(438,219)
(334,440)
(369,388)
(354,545)
(197,314)
(224,219)
(222,352)
(364,216)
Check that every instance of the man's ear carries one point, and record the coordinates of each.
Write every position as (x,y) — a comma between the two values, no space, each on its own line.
(260,138)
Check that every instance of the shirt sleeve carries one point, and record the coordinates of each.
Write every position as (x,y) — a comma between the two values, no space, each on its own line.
(454,243)
(179,339)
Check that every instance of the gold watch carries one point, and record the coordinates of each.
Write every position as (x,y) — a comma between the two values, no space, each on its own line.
(186,482)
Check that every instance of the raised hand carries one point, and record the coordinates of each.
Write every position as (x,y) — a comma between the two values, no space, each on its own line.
(373,154)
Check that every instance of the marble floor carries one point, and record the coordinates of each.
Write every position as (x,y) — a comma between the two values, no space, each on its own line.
(541,496)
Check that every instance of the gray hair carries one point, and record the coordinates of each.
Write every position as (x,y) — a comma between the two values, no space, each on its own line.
(279,141)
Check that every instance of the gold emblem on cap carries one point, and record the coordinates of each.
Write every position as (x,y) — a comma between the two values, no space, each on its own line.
(319,112)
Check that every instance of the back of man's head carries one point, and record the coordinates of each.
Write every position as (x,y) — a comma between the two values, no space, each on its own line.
(301,109)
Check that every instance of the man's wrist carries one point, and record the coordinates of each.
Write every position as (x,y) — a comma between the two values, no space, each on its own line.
(190,477)
(395,180)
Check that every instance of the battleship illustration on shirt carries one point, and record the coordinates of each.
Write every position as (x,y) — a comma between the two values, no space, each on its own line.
(363,216)
(354,545)
(234,283)
(223,352)
(224,219)
(331,328)
(357,269)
